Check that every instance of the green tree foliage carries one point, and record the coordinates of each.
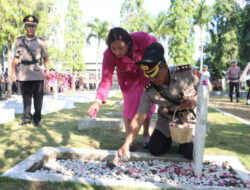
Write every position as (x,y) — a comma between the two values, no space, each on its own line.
(158,26)
(74,38)
(224,32)
(181,38)
(133,16)
(245,35)
(201,18)
(99,31)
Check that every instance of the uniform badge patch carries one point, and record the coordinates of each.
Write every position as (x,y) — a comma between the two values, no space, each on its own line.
(147,86)
(31,19)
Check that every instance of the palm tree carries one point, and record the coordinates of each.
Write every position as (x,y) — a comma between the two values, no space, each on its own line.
(202,18)
(99,31)
(158,26)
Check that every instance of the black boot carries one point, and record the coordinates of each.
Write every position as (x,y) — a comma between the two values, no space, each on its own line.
(237,100)
(231,99)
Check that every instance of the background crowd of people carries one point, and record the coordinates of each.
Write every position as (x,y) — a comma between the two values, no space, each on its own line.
(61,82)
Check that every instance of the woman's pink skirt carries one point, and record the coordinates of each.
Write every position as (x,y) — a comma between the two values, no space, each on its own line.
(132,98)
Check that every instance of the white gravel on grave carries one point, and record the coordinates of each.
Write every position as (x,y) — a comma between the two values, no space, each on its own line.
(154,171)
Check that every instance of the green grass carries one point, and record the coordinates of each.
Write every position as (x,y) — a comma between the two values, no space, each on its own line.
(228,136)
(59,129)
(16,184)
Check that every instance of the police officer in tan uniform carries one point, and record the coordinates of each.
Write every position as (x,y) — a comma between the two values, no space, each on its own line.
(170,87)
(29,52)
(233,76)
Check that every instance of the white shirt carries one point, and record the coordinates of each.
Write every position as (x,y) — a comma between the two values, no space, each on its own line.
(206,73)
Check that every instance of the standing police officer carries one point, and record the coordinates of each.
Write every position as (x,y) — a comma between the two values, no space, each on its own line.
(233,76)
(29,52)
(170,88)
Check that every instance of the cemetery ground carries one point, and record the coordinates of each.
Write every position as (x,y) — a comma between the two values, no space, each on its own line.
(238,109)
(227,136)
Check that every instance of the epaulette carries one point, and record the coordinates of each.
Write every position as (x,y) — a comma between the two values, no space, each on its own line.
(20,37)
(147,86)
(40,38)
(181,68)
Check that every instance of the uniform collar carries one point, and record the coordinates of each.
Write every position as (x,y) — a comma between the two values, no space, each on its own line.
(172,73)
(135,55)
(135,48)
(30,39)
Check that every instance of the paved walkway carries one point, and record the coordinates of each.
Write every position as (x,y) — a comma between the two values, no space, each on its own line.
(55,102)
(51,103)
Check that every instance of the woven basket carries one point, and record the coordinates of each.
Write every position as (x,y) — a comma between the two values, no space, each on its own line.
(181,132)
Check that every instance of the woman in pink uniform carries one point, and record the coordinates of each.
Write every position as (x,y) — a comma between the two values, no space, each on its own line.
(123,51)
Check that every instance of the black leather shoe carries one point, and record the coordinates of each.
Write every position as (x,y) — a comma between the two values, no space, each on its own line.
(24,123)
(3,98)
(37,124)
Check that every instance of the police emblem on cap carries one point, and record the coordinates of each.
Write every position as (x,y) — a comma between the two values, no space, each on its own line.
(31,19)
(144,67)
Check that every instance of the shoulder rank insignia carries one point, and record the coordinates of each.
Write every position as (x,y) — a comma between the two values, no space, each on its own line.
(147,86)
(20,37)
(40,38)
(180,68)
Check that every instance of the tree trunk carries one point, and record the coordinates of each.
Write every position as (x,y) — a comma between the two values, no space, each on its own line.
(201,64)
(9,82)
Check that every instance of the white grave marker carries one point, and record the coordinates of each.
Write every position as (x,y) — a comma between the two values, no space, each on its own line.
(201,125)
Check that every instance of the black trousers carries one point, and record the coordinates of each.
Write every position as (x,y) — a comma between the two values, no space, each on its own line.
(31,89)
(1,89)
(248,94)
(231,89)
(159,144)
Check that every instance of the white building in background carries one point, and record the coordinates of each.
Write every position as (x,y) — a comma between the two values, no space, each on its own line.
(91,71)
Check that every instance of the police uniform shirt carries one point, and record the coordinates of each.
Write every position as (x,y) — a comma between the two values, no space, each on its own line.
(233,74)
(30,72)
(181,83)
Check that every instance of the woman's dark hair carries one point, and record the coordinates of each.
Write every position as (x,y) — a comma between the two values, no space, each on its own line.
(119,33)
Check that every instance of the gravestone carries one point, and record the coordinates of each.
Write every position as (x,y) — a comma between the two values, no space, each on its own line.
(105,123)
(201,125)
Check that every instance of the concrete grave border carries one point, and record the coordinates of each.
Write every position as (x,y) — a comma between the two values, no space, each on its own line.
(24,170)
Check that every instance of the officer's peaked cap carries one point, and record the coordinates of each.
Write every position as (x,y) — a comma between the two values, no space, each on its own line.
(153,54)
(152,59)
(31,19)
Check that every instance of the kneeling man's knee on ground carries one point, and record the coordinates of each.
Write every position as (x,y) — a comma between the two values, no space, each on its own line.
(186,150)
(159,143)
